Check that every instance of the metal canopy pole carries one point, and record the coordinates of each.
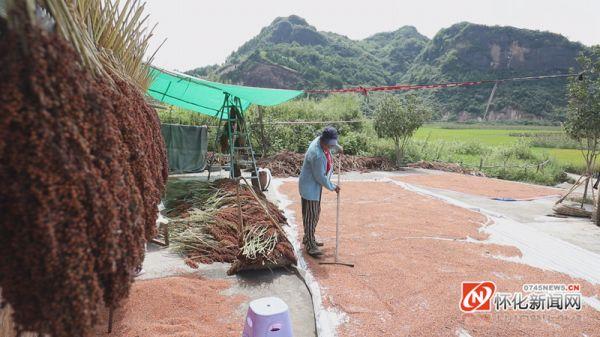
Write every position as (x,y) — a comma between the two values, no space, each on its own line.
(230,121)
(220,114)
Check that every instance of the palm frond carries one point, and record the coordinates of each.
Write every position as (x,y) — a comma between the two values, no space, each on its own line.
(121,35)
(111,37)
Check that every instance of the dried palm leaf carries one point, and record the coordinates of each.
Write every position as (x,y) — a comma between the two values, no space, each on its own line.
(111,38)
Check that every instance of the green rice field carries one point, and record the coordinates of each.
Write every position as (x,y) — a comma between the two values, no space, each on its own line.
(502,136)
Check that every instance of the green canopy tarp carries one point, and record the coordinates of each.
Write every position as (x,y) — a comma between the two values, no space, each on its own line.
(208,97)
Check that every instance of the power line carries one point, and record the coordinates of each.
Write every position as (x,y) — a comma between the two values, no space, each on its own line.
(406,87)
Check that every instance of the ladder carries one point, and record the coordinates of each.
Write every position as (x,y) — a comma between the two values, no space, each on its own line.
(240,153)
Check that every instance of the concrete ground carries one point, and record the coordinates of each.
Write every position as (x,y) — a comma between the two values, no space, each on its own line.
(161,263)
(568,246)
(536,214)
(516,243)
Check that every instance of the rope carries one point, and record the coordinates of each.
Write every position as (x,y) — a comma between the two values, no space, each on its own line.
(406,87)
(309,122)
(300,123)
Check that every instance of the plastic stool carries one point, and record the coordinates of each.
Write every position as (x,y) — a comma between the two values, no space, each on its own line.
(266,317)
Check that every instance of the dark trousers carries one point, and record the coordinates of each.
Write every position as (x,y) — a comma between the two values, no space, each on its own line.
(311,209)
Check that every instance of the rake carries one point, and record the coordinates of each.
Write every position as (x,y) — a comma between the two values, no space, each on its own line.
(337,225)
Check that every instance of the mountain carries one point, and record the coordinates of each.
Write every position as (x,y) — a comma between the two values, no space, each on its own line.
(467,52)
(290,53)
(397,50)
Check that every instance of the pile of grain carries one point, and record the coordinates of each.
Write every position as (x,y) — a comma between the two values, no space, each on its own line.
(178,306)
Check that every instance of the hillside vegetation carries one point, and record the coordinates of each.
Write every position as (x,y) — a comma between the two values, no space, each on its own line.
(466,52)
(290,53)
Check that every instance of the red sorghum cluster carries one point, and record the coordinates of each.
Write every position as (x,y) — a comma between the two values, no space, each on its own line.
(82,169)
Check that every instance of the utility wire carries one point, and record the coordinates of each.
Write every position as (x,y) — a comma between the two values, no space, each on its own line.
(406,87)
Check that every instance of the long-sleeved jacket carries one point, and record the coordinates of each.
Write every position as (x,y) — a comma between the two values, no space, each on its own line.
(313,175)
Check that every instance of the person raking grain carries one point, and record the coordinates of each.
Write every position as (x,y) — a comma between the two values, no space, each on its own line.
(317,168)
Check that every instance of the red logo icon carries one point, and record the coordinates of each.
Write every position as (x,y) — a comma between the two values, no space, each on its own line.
(477,296)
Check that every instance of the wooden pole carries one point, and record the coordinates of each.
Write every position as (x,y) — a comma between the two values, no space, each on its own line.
(166,233)
(573,188)
(241,225)
(489,102)
(110,319)
(598,210)
(263,139)
(264,207)
(337,224)
(596,185)
(337,213)
(585,190)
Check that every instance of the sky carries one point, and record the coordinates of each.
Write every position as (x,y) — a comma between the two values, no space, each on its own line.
(204,32)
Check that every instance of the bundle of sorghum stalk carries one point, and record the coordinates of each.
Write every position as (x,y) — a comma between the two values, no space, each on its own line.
(83,168)
(205,223)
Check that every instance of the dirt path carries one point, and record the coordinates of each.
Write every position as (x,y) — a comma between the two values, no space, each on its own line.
(487,187)
(178,307)
(411,254)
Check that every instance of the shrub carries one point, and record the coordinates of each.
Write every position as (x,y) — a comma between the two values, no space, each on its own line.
(355,143)
(398,119)
(550,175)
(521,151)
(472,148)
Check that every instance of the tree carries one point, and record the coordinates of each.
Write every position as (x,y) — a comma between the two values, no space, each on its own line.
(583,110)
(399,118)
